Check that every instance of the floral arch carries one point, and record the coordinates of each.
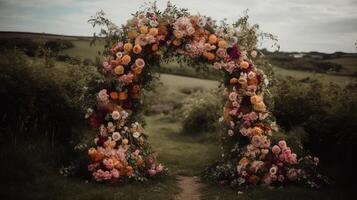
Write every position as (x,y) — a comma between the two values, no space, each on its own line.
(152,36)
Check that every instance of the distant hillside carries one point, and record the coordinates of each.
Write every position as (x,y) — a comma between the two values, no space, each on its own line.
(338,63)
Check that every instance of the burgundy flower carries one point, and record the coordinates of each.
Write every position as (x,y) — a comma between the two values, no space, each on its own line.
(101,140)
(233,52)
(127,105)
(259,78)
(96,120)
(169,35)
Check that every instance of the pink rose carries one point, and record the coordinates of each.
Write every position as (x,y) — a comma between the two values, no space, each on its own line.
(103,96)
(233,96)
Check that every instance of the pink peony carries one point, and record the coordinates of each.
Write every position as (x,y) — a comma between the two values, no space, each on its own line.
(276,149)
(108,163)
(282,144)
(152,172)
(256,141)
(115,173)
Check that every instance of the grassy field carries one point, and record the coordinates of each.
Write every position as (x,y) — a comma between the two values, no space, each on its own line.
(299,74)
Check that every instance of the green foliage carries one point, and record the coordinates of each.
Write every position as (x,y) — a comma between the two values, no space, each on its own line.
(200,112)
(40,102)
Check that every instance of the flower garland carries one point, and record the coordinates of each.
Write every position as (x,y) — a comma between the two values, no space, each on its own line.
(151,36)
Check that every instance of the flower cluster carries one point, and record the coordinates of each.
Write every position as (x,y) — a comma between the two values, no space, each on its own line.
(119,152)
(152,36)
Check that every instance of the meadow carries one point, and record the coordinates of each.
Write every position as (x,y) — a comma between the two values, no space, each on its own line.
(29,175)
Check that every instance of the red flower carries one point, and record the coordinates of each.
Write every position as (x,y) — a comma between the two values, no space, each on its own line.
(127,105)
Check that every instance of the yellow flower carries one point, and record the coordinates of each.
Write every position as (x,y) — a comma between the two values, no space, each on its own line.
(209,55)
(257,131)
(119,70)
(244,161)
(125,141)
(92,151)
(256,99)
(265,151)
(212,39)
(144,29)
(260,107)
(127,47)
(222,44)
(178,34)
(153,31)
(137,49)
(244,64)
(132,34)
(125,59)
(176,42)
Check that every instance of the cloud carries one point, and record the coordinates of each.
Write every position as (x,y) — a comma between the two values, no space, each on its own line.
(303,25)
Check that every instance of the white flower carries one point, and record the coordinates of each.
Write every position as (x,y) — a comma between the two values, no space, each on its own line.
(251,75)
(115,115)
(116,136)
(153,23)
(110,127)
(253,54)
(273,170)
(136,134)
(89,112)
(230,132)
(265,80)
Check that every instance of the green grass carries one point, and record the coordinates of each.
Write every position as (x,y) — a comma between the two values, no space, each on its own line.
(181,153)
(349,64)
(83,49)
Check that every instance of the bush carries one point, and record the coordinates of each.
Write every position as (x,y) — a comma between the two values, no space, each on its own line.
(58,45)
(327,112)
(39,102)
(200,112)
(28,45)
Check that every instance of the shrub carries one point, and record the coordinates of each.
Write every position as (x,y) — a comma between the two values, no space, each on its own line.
(58,45)
(327,112)
(200,112)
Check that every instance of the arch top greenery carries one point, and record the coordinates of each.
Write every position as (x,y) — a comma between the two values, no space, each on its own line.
(152,36)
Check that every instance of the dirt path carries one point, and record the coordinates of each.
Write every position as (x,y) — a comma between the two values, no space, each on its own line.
(190,188)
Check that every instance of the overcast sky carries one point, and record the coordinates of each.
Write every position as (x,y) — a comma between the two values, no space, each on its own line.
(301,25)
